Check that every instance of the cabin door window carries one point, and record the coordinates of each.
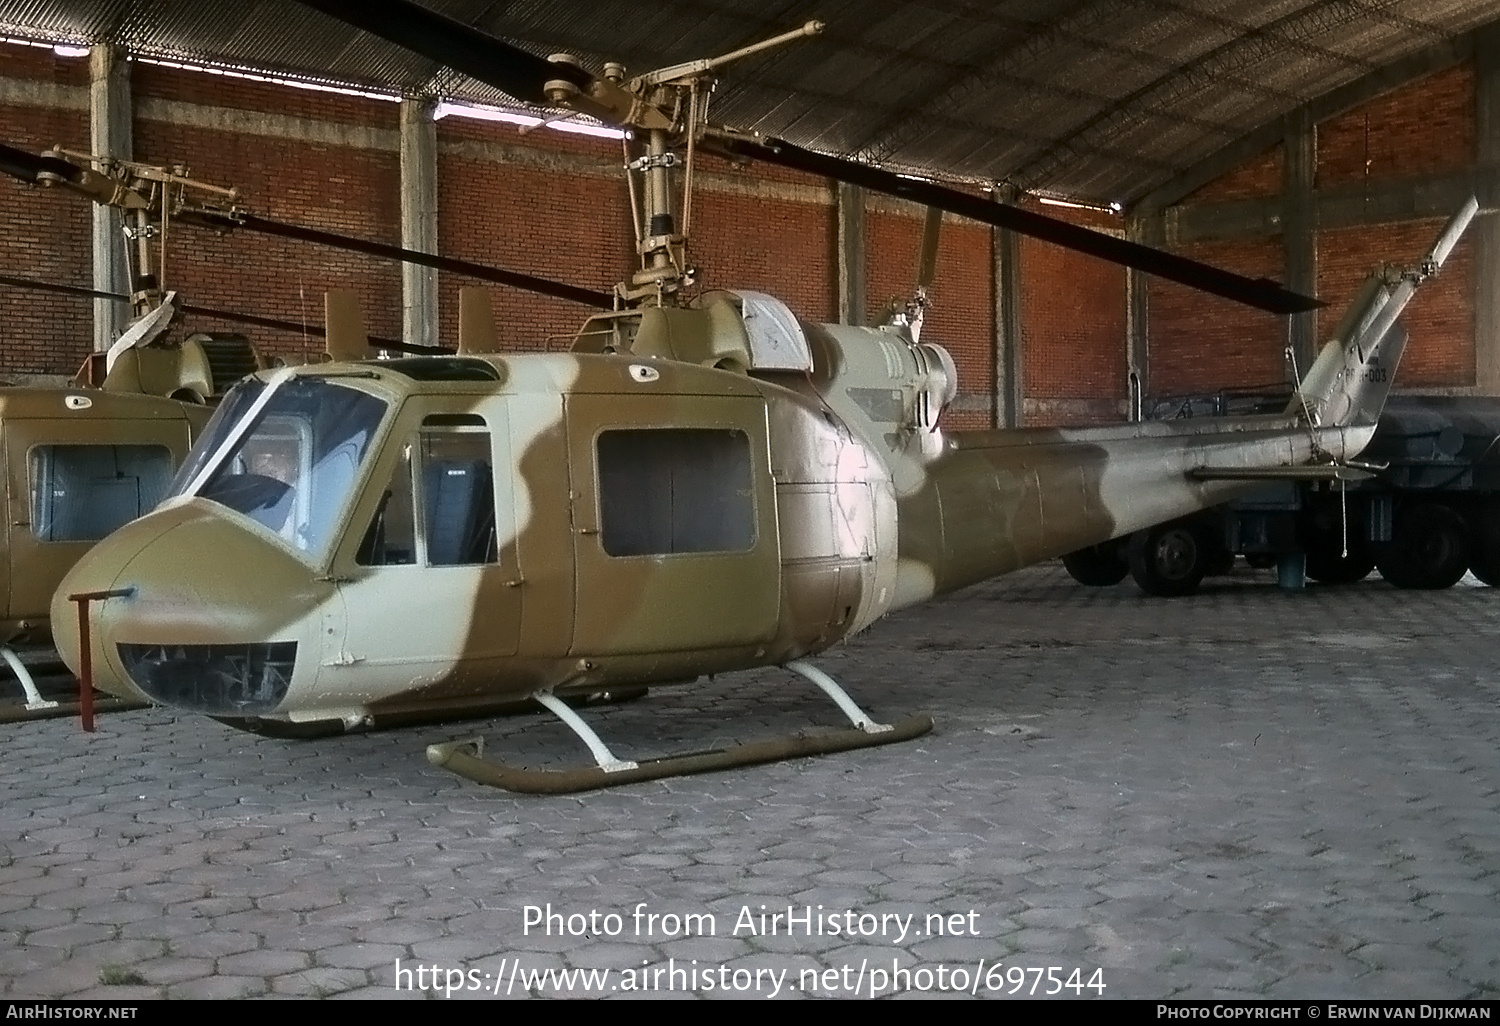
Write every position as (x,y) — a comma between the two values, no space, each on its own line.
(445,471)
(458,495)
(84,492)
(665,491)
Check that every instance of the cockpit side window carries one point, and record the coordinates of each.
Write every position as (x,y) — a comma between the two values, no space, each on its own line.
(392,537)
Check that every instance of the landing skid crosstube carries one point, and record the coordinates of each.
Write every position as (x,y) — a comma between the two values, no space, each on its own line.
(38,707)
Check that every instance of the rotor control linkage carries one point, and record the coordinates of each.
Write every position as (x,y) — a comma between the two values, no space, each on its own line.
(464,757)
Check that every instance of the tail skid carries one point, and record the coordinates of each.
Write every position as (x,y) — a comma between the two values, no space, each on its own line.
(1348,383)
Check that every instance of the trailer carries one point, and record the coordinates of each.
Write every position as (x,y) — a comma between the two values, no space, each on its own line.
(1430,512)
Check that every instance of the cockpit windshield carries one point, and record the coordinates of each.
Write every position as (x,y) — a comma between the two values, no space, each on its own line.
(286,455)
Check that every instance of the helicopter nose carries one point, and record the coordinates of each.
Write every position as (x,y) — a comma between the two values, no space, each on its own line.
(213,620)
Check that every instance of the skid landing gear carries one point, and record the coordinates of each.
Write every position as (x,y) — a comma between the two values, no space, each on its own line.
(38,708)
(465,757)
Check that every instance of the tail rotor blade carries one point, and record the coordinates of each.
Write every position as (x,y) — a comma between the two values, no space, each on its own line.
(932,228)
(1438,255)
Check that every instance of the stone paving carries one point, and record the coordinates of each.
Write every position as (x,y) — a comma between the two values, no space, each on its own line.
(1245,794)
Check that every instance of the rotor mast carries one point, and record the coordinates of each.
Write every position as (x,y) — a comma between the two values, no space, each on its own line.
(150,196)
(660,111)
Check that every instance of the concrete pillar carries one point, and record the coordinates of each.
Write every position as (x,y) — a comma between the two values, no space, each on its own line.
(419,285)
(1005,252)
(1299,231)
(853,300)
(109,136)
(1144,226)
(1485,231)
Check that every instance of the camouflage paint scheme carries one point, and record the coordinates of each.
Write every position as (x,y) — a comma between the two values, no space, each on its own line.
(31,417)
(862,505)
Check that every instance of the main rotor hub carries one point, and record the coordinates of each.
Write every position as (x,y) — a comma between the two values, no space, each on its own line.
(561,91)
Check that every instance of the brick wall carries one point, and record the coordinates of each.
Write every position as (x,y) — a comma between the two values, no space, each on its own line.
(1073,328)
(1201,343)
(348,189)
(43,235)
(573,229)
(1424,127)
(1259,176)
(331,161)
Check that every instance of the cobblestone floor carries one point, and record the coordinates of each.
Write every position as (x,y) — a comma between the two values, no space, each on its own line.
(1245,794)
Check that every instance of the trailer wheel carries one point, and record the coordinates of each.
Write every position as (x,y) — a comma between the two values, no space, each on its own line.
(1168,560)
(1484,557)
(1097,566)
(1429,548)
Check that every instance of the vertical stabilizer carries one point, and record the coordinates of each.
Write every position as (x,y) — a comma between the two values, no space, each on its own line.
(1352,375)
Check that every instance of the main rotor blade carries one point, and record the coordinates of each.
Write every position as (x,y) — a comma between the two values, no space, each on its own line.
(1261,293)
(454,44)
(67,290)
(522,75)
(223,315)
(29,166)
(531,283)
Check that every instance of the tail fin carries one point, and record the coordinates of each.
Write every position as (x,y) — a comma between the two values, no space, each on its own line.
(1351,377)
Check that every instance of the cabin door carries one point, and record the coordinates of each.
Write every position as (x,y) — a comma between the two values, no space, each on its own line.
(430,593)
(674,521)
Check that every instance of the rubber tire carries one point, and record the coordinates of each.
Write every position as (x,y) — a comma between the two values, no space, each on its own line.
(1429,548)
(1168,560)
(1484,559)
(1097,566)
(1261,560)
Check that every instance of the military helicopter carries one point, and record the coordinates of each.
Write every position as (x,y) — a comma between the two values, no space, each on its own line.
(85,459)
(701,485)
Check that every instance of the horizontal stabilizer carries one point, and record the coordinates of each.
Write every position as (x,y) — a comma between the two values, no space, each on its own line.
(1315,472)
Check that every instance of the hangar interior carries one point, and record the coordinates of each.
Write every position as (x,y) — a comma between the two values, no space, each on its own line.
(1300,141)
(1250,796)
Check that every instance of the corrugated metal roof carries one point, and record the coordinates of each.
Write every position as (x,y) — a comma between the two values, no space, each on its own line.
(1100,99)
